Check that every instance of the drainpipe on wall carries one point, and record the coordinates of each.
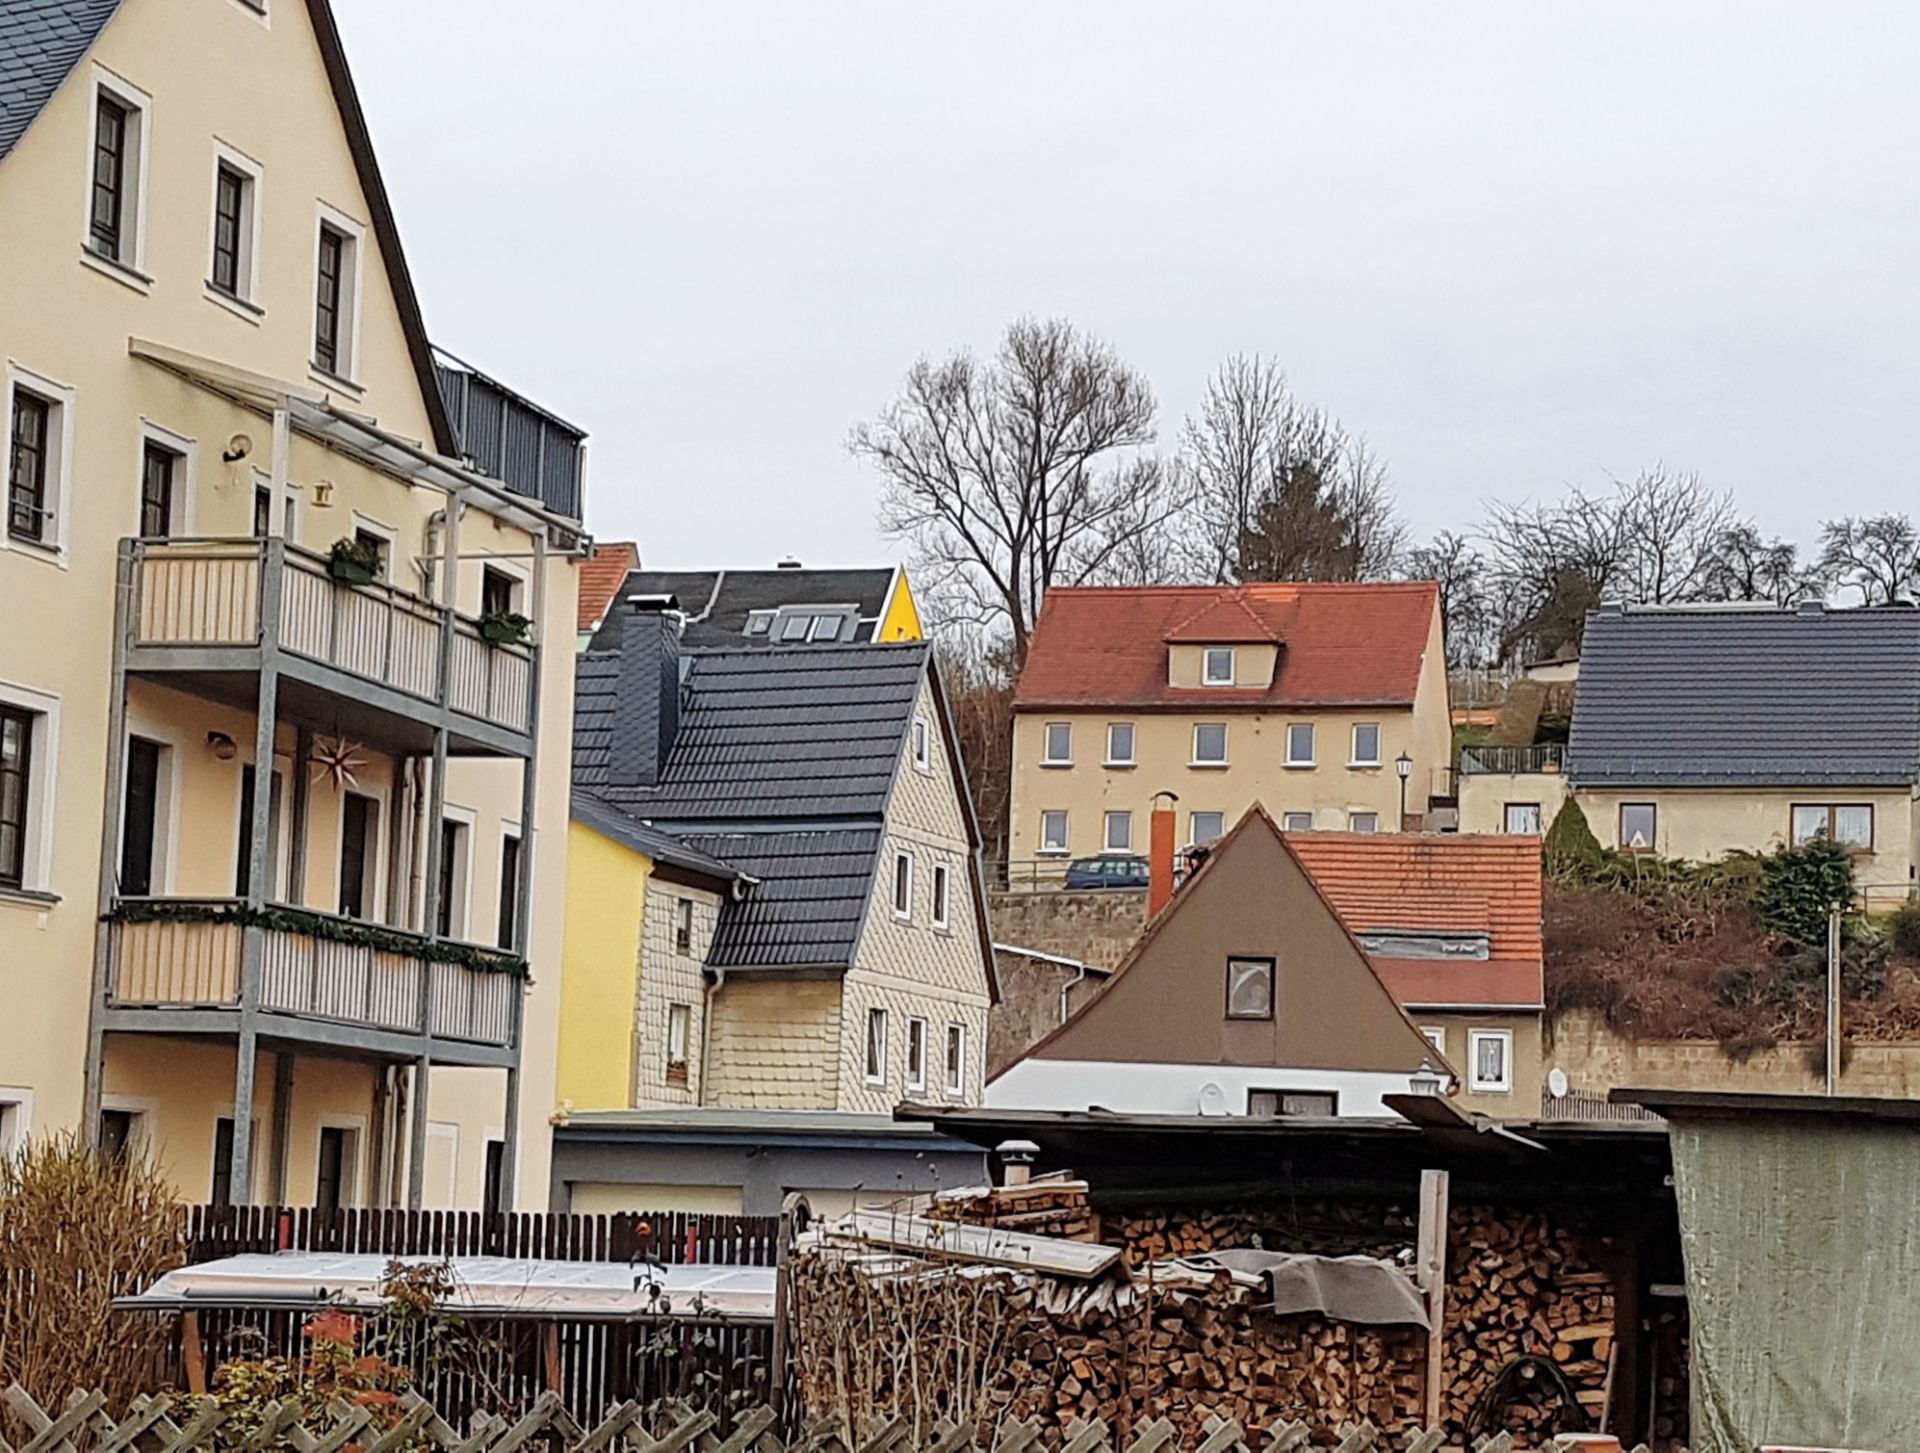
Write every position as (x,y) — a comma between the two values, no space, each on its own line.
(706,1033)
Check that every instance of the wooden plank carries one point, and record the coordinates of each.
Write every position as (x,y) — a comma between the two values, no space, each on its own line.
(195,1352)
(1077,1259)
(1431,1273)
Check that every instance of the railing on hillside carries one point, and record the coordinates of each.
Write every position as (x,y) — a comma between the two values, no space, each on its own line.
(208,594)
(1538,757)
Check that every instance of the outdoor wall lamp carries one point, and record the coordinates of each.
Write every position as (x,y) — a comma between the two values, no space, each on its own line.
(1425,1080)
(222,746)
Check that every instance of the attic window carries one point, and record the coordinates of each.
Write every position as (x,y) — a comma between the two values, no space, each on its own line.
(1249,988)
(1218,667)
(759,622)
(795,628)
(826,628)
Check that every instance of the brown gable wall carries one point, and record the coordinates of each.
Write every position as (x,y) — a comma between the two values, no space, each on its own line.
(1167,1003)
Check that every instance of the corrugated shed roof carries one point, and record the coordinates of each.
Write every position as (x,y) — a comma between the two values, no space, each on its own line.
(717,602)
(1747,697)
(809,905)
(1340,644)
(601,575)
(41,41)
(764,735)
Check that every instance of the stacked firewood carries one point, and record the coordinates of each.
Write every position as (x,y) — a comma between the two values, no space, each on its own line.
(1049,1206)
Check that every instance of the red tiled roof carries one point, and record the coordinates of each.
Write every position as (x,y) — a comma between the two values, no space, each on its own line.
(1476,884)
(601,575)
(1340,645)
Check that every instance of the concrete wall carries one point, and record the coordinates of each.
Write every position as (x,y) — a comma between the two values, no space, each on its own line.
(1095,927)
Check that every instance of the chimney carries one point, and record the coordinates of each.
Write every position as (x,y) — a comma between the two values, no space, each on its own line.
(1160,840)
(790,563)
(647,693)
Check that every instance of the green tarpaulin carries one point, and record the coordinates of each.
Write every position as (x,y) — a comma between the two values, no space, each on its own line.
(1802,1238)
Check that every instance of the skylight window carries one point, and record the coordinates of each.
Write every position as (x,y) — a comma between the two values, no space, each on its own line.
(795,628)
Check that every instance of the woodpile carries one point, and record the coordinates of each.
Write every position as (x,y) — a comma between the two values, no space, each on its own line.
(1049,1206)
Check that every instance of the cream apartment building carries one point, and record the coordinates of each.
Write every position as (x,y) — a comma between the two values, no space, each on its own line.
(283,715)
(1325,703)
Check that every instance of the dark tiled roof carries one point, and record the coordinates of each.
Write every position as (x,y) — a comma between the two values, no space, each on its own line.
(1747,697)
(717,602)
(41,41)
(808,907)
(764,736)
(662,847)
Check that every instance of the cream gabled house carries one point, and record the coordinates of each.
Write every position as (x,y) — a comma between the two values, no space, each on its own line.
(284,705)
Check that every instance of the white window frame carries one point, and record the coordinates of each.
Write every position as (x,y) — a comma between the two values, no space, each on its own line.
(942,896)
(1313,744)
(683,917)
(1207,676)
(1113,758)
(684,1012)
(1065,846)
(1225,745)
(956,1058)
(1477,1037)
(283,514)
(186,486)
(353,275)
(353,1164)
(902,912)
(875,1074)
(59,470)
(388,533)
(174,745)
(245,303)
(1047,759)
(460,920)
(1356,760)
(16,1119)
(1354,818)
(258,11)
(1506,819)
(917,1044)
(376,904)
(128,271)
(1290,822)
(36,861)
(1436,1035)
(1194,839)
(923,745)
(1107,821)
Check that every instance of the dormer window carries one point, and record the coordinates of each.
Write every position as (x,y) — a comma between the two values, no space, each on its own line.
(1217,668)
(759,622)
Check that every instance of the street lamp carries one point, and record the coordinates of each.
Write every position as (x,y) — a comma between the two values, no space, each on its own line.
(1403,764)
(1426,1080)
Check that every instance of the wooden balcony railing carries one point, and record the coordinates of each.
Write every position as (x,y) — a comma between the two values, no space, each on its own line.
(209,594)
(188,953)
(1539,757)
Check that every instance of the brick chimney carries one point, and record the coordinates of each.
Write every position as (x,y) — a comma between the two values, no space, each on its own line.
(647,694)
(1160,840)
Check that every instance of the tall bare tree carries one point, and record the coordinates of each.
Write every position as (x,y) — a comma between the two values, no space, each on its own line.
(1466,613)
(1877,555)
(1019,473)
(1746,566)
(1279,490)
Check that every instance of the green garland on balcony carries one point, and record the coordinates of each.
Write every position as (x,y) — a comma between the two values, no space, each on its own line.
(324,926)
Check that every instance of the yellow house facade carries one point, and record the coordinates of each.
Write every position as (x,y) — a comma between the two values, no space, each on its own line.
(304,981)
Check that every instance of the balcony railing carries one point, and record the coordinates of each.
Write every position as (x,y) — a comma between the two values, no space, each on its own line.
(1539,757)
(188,953)
(209,594)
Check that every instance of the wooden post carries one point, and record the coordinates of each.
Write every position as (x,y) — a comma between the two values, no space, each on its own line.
(551,1343)
(1432,1277)
(196,1353)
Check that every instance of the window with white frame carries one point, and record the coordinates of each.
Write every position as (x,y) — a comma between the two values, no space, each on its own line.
(916,1054)
(922,744)
(942,895)
(1120,744)
(29,733)
(683,925)
(1363,822)
(956,1059)
(1119,835)
(679,1031)
(1058,748)
(1300,744)
(903,885)
(1217,666)
(876,1046)
(16,1120)
(234,264)
(1490,1052)
(1366,744)
(759,622)
(1053,832)
(1210,744)
(336,297)
(39,440)
(117,174)
(1296,822)
(1436,1036)
(1521,817)
(1204,827)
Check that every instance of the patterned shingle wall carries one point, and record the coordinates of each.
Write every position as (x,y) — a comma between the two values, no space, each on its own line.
(669,977)
(775,1045)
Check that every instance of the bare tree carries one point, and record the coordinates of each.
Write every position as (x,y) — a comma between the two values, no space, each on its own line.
(1466,613)
(1016,474)
(1745,566)
(1278,489)
(1877,555)
(1668,527)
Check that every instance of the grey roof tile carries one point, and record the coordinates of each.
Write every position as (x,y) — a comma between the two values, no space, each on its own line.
(718,602)
(808,907)
(1747,697)
(41,41)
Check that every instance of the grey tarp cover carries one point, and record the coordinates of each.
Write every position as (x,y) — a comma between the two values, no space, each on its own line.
(1347,1288)
(1803,1272)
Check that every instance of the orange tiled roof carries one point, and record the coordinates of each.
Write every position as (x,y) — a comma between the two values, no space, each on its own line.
(1340,644)
(1417,881)
(601,575)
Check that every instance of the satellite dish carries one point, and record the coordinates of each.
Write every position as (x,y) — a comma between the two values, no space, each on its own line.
(1557,1083)
(1213,1099)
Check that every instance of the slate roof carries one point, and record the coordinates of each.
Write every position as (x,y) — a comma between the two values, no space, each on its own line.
(1340,644)
(662,847)
(1761,696)
(809,905)
(41,41)
(765,736)
(717,602)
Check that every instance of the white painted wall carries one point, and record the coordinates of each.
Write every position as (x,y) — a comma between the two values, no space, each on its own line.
(1171,1089)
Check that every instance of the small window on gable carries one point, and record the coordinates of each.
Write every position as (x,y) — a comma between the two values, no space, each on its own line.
(922,744)
(335,307)
(114,201)
(1059,745)
(903,885)
(1436,1036)
(759,622)
(1210,744)
(1366,744)
(234,265)
(1120,744)
(916,1054)
(1249,988)
(876,1046)
(1218,667)
(683,925)
(956,1059)
(942,895)
(679,1024)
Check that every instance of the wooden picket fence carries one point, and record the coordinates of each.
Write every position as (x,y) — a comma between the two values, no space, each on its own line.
(164,1424)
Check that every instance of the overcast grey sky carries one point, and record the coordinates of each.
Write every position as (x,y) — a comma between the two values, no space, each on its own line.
(1516,245)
